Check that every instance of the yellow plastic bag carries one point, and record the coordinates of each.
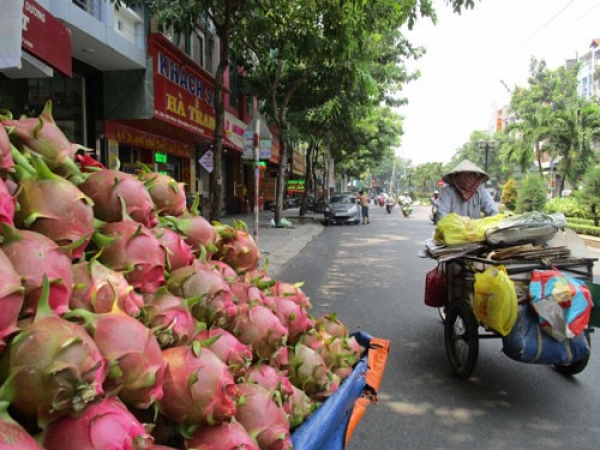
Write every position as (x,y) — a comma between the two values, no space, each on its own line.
(454,229)
(495,300)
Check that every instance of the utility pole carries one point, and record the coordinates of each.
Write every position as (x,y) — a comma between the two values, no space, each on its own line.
(393,177)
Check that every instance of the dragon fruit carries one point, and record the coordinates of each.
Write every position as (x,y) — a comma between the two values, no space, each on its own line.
(237,248)
(108,188)
(135,358)
(247,294)
(339,354)
(271,379)
(43,137)
(225,436)
(332,325)
(299,407)
(198,232)
(106,425)
(170,318)
(228,348)
(308,371)
(215,306)
(178,252)
(198,387)
(11,299)
(291,291)
(263,418)
(223,268)
(8,203)
(33,255)
(56,208)
(134,250)
(55,367)
(97,287)
(167,194)
(260,328)
(6,161)
(293,317)
(12,435)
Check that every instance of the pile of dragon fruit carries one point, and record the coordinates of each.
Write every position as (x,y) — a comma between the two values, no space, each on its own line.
(128,321)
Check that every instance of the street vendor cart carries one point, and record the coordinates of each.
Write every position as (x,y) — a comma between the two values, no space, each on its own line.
(452,287)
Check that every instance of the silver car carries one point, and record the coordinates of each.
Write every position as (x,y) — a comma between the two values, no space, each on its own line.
(342,208)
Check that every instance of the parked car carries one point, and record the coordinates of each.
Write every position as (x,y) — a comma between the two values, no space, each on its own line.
(342,208)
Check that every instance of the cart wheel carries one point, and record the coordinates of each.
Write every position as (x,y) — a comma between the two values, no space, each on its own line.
(577,366)
(461,338)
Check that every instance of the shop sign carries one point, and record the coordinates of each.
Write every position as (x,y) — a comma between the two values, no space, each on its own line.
(295,185)
(141,139)
(46,37)
(234,131)
(183,94)
(208,161)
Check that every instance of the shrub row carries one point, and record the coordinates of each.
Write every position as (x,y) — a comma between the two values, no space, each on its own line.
(588,230)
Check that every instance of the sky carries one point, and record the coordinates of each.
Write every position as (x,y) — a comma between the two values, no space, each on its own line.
(468,55)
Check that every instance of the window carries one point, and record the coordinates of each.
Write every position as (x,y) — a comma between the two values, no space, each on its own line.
(197,51)
(210,45)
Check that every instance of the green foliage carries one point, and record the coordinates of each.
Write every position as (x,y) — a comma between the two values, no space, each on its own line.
(588,230)
(509,195)
(532,194)
(569,206)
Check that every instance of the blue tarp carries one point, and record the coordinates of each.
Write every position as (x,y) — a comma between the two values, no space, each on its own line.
(326,428)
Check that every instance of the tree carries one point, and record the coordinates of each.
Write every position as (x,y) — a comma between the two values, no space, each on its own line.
(509,195)
(532,194)
(590,194)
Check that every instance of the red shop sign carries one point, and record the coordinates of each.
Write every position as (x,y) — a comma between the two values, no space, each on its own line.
(46,37)
(183,95)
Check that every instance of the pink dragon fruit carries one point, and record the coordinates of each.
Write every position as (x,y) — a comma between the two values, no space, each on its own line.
(198,387)
(106,425)
(12,435)
(215,306)
(8,203)
(332,325)
(136,365)
(33,255)
(56,208)
(299,407)
(97,288)
(132,249)
(108,188)
(11,299)
(247,294)
(6,161)
(263,418)
(167,194)
(225,436)
(223,268)
(55,367)
(291,291)
(339,354)
(228,348)
(198,232)
(237,248)
(169,317)
(271,379)
(43,137)
(178,252)
(309,372)
(260,328)
(293,317)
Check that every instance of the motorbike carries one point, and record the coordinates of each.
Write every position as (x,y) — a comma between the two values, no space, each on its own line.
(389,205)
(434,216)
(406,209)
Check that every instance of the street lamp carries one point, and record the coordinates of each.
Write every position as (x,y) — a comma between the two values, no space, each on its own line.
(485,145)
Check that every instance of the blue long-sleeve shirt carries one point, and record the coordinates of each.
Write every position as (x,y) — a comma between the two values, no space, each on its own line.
(452,202)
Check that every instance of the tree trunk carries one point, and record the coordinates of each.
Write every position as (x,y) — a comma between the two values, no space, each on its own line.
(307,180)
(281,177)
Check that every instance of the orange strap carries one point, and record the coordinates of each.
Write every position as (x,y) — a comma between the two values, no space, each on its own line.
(376,360)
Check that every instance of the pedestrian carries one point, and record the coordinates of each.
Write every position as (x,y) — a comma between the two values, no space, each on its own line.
(465,192)
(364,207)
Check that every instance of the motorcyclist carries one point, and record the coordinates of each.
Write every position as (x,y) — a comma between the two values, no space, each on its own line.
(405,199)
(435,198)
(435,201)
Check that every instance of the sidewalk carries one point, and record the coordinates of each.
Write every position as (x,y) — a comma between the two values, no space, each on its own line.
(279,245)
